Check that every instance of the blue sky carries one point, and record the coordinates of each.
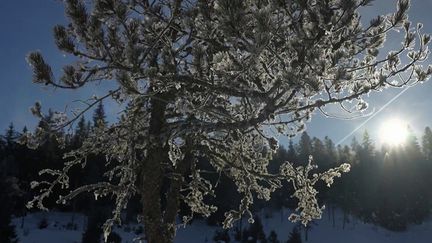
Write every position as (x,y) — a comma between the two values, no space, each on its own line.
(26,25)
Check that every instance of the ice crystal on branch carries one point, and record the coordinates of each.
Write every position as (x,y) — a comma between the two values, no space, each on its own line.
(218,75)
(303,184)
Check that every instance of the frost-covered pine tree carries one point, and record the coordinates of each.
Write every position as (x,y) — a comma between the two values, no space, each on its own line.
(216,79)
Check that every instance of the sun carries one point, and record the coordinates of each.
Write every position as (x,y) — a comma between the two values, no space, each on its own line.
(393,132)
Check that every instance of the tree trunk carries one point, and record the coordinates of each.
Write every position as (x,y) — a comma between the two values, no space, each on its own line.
(306,233)
(344,219)
(151,177)
(23,218)
(333,216)
(241,228)
(160,220)
(282,214)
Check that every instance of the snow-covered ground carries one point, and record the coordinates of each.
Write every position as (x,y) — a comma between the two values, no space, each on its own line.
(61,227)
(68,228)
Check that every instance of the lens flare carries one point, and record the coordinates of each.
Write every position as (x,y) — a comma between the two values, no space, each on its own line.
(393,132)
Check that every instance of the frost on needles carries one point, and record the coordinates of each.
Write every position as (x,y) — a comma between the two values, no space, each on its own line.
(218,80)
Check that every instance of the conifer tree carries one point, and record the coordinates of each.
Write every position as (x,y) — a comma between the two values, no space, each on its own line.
(280,157)
(304,147)
(8,162)
(295,236)
(2,144)
(412,145)
(330,151)
(318,152)
(272,238)
(207,79)
(346,154)
(99,117)
(355,145)
(8,190)
(10,136)
(81,132)
(367,143)
(292,153)
(427,143)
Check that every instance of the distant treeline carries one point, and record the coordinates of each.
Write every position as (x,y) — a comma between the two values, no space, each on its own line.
(19,166)
(388,186)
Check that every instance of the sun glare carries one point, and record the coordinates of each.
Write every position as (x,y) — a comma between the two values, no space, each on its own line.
(393,132)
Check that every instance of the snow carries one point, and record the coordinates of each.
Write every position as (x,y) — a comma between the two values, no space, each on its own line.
(321,231)
(355,231)
(56,231)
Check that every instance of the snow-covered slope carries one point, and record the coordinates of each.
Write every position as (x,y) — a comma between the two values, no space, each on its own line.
(68,228)
(61,227)
(355,231)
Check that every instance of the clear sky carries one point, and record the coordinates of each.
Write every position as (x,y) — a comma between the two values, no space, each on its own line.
(26,25)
